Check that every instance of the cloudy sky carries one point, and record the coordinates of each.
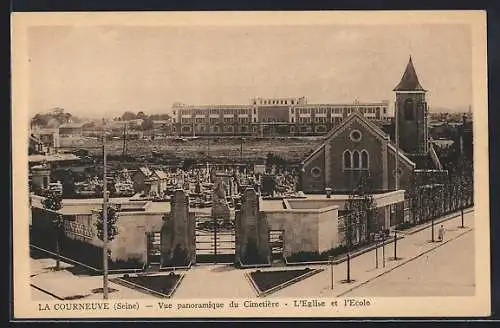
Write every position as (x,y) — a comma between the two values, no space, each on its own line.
(103,71)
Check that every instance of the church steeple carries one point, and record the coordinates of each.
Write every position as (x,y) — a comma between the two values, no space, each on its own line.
(409,81)
(411,113)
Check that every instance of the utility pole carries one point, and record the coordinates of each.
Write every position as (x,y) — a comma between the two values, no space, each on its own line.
(215,239)
(376,256)
(105,220)
(396,137)
(348,267)
(124,152)
(241,150)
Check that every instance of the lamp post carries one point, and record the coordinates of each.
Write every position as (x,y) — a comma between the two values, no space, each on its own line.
(383,250)
(331,271)
(395,244)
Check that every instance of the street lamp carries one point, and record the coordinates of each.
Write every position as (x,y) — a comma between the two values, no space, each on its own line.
(383,249)
(331,270)
(395,244)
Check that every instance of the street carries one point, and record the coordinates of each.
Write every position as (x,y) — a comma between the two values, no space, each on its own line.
(446,271)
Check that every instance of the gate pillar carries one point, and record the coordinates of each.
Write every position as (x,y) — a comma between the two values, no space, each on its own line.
(252,232)
(178,240)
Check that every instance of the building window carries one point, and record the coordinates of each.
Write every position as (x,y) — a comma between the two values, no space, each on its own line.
(316,172)
(364,159)
(399,172)
(408,108)
(355,159)
(355,135)
(347,159)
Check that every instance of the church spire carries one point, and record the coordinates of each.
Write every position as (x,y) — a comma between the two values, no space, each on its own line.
(409,81)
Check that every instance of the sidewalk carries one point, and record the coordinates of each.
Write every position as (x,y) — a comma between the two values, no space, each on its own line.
(363,268)
(65,285)
(215,281)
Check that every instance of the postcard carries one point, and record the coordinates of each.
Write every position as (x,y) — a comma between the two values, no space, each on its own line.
(324,164)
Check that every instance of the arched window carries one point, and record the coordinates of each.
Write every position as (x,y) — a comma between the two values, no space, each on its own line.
(347,159)
(364,159)
(408,108)
(355,159)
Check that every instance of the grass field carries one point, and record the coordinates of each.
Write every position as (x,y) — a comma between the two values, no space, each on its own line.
(250,149)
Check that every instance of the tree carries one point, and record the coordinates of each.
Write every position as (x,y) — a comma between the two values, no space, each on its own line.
(112,221)
(127,116)
(463,180)
(147,123)
(53,203)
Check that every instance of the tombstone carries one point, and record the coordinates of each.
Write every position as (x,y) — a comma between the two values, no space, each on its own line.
(252,234)
(178,241)
(220,208)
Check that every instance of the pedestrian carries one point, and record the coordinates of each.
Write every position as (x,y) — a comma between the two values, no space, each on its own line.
(441,233)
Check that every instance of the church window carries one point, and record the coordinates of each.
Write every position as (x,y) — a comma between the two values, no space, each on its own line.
(364,159)
(347,159)
(355,159)
(316,172)
(408,109)
(355,135)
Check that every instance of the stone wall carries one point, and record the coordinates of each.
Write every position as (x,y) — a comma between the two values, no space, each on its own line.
(328,229)
(300,230)
(131,241)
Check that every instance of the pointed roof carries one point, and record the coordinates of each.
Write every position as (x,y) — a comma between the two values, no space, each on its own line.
(409,81)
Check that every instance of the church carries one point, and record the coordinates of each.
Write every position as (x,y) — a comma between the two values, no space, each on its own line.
(359,148)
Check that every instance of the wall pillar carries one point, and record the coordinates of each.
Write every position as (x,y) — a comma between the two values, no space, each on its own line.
(177,235)
(252,232)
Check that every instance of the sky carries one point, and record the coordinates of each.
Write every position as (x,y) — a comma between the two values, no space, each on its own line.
(102,71)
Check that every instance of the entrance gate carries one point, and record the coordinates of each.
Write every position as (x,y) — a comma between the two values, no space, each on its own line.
(215,240)
(276,244)
(154,249)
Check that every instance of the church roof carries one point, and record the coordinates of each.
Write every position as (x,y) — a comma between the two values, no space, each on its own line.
(356,115)
(409,81)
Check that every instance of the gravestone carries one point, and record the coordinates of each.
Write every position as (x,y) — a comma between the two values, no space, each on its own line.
(252,232)
(220,208)
(178,240)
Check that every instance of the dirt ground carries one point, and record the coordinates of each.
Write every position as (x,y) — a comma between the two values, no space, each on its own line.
(250,149)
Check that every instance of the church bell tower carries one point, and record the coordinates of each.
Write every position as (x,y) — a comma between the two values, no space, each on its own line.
(411,113)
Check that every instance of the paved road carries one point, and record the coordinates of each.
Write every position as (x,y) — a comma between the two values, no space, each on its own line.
(447,271)
(363,267)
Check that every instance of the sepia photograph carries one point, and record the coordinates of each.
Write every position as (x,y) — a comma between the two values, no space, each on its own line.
(204,164)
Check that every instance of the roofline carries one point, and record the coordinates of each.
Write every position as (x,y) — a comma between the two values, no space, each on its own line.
(313,153)
(363,119)
(409,91)
(402,155)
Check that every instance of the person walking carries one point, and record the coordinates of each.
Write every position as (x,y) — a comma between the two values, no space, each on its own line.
(441,233)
